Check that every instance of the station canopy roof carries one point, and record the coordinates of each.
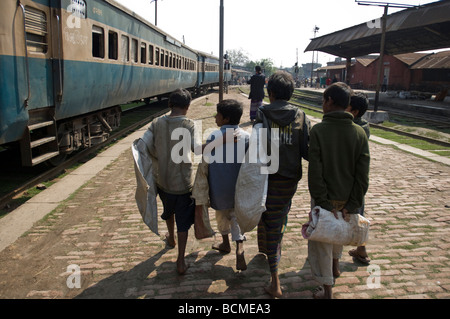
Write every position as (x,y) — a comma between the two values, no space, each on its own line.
(411,30)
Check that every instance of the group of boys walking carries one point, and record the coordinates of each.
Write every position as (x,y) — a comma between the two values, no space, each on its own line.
(337,151)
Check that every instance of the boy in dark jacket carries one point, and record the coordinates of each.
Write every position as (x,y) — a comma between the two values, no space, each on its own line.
(338,176)
(290,128)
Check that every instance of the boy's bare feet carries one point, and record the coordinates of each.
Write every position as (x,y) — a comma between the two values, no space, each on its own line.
(240,258)
(170,240)
(275,292)
(182,267)
(336,270)
(274,289)
(222,247)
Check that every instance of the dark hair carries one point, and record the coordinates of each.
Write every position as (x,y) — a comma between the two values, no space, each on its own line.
(360,102)
(281,85)
(232,110)
(340,93)
(257,68)
(180,98)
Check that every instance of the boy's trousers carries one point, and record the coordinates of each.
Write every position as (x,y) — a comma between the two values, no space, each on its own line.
(227,223)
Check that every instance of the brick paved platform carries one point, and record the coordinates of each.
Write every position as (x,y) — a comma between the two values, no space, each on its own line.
(407,202)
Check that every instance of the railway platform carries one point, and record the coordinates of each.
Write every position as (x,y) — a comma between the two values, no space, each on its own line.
(84,237)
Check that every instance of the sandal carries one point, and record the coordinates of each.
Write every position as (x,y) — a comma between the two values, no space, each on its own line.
(319,293)
(354,254)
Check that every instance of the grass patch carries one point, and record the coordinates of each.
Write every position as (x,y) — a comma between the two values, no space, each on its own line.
(423,145)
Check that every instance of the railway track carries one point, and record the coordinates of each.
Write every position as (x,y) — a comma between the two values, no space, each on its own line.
(414,117)
(312,102)
(144,114)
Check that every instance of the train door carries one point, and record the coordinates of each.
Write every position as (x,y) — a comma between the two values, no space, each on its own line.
(39,142)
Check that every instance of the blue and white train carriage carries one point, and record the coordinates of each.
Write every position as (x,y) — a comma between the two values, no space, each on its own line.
(66,65)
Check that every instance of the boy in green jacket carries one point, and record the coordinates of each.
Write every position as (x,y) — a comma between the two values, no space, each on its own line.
(338,176)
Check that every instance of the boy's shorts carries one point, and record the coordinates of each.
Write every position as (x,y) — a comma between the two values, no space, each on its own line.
(183,206)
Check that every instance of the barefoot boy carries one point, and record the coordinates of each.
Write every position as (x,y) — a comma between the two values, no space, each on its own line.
(293,131)
(224,161)
(174,178)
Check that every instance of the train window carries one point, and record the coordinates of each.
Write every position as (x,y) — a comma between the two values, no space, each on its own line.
(156,56)
(150,54)
(170,60)
(125,48)
(112,45)
(166,62)
(98,42)
(162,57)
(143,52)
(134,50)
(36,29)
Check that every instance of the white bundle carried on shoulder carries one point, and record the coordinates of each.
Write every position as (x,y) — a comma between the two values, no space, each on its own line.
(323,226)
(251,185)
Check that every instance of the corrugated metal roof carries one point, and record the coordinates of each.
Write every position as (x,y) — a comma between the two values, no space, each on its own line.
(366,61)
(410,30)
(439,60)
(410,58)
(332,67)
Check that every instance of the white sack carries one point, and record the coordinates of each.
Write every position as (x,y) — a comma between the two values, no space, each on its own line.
(146,190)
(251,187)
(324,227)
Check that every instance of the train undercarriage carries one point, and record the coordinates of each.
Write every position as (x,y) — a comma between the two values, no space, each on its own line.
(48,140)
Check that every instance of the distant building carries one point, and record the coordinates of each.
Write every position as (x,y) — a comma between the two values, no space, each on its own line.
(396,69)
(432,73)
(410,71)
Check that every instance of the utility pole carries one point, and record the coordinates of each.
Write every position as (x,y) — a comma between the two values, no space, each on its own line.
(156,11)
(380,62)
(221,53)
(386,6)
(316,29)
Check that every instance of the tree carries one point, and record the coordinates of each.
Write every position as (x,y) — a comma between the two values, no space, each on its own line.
(238,57)
(266,65)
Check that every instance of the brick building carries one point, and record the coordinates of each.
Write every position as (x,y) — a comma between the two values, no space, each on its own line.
(409,71)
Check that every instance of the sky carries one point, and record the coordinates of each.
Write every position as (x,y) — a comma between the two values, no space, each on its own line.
(262,29)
